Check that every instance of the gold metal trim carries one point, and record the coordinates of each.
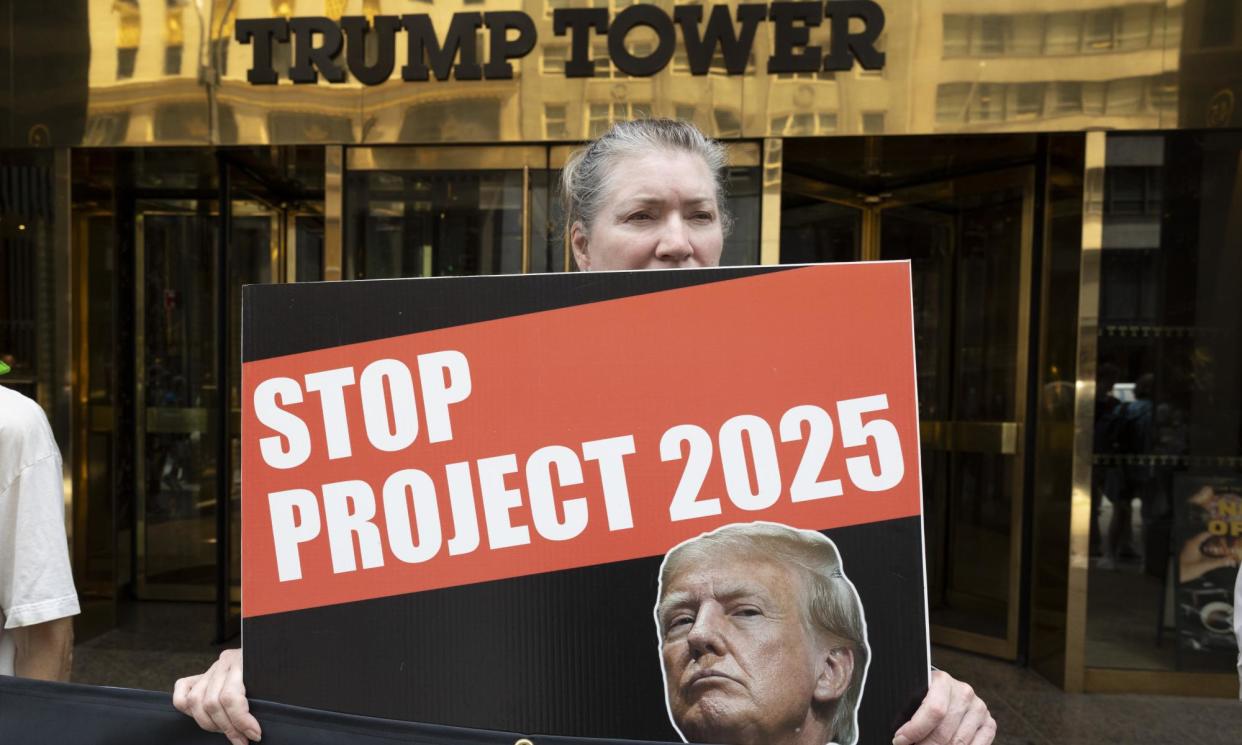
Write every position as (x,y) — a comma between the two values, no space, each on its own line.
(870,233)
(1084,411)
(81,395)
(140,404)
(276,245)
(747,154)
(62,373)
(290,221)
(333,211)
(1001,438)
(1160,682)
(525,219)
(1022,391)
(770,209)
(176,419)
(445,158)
(969,640)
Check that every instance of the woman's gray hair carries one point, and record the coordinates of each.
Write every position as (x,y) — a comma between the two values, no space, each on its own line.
(832,603)
(586,176)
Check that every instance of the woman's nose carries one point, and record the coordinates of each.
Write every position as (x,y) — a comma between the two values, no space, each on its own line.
(674,245)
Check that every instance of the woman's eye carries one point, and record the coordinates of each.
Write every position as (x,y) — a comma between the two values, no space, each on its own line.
(748,611)
(639,217)
(703,217)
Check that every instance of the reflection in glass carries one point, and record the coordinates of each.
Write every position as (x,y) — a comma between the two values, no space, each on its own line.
(966,252)
(1168,423)
(433,223)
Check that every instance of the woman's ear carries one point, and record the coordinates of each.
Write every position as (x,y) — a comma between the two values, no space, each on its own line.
(835,673)
(578,241)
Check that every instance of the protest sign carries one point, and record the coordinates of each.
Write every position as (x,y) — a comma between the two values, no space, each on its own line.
(459,495)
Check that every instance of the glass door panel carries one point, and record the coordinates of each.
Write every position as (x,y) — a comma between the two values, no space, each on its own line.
(441,211)
(177,388)
(968,241)
(175,343)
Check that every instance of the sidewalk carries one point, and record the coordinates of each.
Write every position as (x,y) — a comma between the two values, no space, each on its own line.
(1031,711)
(165,641)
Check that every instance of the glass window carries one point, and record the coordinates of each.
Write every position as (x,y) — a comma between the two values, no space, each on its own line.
(1028,99)
(1062,33)
(991,32)
(1162,92)
(989,103)
(1093,97)
(1026,34)
(951,101)
(727,122)
(555,121)
(1125,96)
(1068,98)
(1136,26)
(873,122)
(827,122)
(1101,25)
(553,60)
(603,63)
(956,35)
(433,223)
(681,63)
(1166,476)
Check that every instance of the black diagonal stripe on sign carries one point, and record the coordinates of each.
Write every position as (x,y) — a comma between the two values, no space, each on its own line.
(292,318)
(570,653)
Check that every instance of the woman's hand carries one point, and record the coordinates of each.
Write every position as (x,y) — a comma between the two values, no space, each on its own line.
(217,700)
(951,714)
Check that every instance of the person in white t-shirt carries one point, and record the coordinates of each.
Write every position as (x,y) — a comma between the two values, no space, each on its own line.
(37,597)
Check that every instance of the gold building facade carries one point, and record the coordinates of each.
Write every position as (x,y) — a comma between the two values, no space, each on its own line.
(1061,174)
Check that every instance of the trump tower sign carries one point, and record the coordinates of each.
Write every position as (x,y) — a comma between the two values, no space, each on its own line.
(639,505)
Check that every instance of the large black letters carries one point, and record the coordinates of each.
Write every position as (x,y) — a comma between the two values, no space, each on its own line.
(735,48)
(356,32)
(425,47)
(503,48)
(310,60)
(579,22)
(846,46)
(370,46)
(261,31)
(641,15)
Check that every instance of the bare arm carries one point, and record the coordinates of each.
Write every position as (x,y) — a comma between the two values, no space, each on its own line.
(44,650)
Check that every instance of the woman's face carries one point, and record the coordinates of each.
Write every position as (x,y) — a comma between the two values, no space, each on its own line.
(659,212)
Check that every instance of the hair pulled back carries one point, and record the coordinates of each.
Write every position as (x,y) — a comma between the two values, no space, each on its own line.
(585,178)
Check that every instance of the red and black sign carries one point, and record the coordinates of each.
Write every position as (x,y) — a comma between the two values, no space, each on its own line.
(458,494)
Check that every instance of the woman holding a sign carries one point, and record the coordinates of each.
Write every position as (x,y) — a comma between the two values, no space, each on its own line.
(649,194)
